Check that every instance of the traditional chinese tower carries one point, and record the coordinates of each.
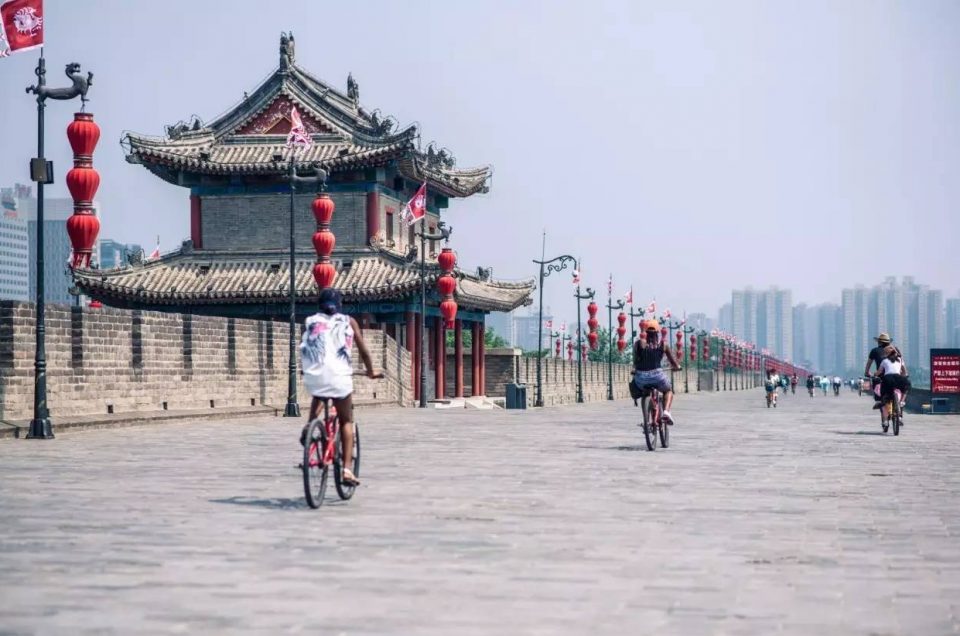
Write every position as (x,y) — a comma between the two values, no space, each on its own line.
(235,263)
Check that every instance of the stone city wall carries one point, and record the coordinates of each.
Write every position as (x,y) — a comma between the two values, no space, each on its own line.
(103,360)
(559,377)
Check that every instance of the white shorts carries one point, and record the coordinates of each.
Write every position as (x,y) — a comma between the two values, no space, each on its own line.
(329,387)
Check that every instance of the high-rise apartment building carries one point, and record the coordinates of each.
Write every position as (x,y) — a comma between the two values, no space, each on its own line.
(765,318)
(855,311)
(111,254)
(14,245)
(952,323)
(525,329)
(725,318)
(829,339)
(805,335)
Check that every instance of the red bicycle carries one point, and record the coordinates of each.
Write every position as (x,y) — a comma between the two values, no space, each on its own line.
(321,450)
(651,404)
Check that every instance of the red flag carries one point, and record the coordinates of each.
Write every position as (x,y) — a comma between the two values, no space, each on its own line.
(628,297)
(576,277)
(22,26)
(298,136)
(652,307)
(155,254)
(416,208)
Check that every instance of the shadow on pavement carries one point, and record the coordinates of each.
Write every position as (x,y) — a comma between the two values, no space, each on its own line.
(278,502)
(859,433)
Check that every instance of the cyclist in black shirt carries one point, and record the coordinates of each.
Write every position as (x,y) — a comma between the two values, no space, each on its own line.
(877,356)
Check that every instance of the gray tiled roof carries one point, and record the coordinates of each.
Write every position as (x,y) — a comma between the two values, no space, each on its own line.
(208,277)
(348,138)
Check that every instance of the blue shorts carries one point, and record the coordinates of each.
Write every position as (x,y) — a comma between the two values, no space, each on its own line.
(655,379)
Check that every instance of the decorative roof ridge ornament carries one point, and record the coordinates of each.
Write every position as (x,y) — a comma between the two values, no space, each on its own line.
(287,51)
(353,89)
(442,158)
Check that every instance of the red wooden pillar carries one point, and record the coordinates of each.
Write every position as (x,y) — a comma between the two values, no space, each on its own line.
(196,228)
(458,358)
(482,329)
(411,346)
(474,360)
(440,350)
(373,215)
(417,356)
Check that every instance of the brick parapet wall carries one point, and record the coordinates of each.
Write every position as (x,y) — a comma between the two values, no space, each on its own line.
(137,361)
(559,377)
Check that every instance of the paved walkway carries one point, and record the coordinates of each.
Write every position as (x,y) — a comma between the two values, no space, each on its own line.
(799,520)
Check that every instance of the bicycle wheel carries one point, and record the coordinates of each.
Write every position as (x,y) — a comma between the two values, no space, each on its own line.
(345,490)
(649,434)
(314,471)
(664,430)
(895,419)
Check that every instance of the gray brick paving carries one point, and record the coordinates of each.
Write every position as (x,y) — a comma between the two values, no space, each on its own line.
(799,520)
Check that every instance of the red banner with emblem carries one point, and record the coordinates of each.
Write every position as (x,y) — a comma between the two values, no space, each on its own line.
(22,26)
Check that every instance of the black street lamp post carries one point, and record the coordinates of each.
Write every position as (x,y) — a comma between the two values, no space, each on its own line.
(610,344)
(546,268)
(580,297)
(686,358)
(717,361)
(319,179)
(443,232)
(41,171)
(700,336)
(633,323)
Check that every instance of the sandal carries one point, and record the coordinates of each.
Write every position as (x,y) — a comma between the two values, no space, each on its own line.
(349,478)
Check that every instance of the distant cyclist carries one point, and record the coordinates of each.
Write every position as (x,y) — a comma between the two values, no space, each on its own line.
(837,383)
(824,383)
(893,375)
(877,356)
(793,383)
(810,385)
(647,360)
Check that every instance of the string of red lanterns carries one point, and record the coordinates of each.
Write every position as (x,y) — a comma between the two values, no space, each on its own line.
(323,240)
(83,181)
(446,285)
(592,323)
(621,331)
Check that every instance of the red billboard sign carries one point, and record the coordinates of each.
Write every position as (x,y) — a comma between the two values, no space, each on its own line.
(945,370)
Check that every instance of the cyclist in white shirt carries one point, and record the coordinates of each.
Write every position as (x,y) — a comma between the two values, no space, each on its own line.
(893,375)
(328,340)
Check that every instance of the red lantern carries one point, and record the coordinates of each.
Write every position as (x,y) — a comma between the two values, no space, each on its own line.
(592,337)
(446,285)
(570,351)
(622,319)
(83,230)
(95,304)
(621,331)
(663,334)
(593,323)
(83,134)
(447,259)
(323,242)
(621,344)
(83,182)
(323,208)
(448,309)
(592,309)
(324,273)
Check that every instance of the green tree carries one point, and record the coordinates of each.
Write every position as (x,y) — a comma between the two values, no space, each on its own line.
(604,343)
(491,339)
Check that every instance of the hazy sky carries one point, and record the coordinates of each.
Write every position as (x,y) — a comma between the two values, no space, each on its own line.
(687,147)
